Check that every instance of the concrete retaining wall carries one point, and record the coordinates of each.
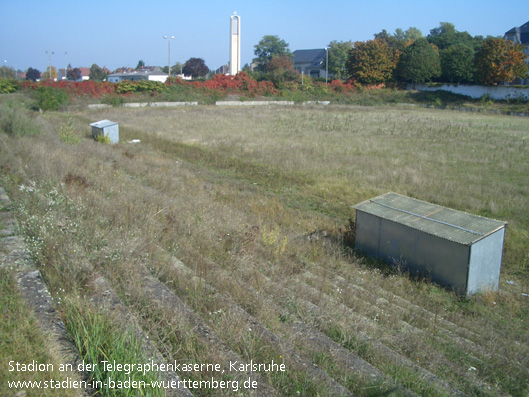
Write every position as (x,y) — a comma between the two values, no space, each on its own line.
(477,91)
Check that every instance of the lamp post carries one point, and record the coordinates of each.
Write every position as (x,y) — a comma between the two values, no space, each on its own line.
(169,51)
(50,53)
(326,64)
(65,77)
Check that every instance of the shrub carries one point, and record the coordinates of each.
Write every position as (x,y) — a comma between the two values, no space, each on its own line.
(51,98)
(113,100)
(67,132)
(14,120)
(102,138)
(8,86)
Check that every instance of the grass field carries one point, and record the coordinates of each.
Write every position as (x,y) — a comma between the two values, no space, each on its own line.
(224,234)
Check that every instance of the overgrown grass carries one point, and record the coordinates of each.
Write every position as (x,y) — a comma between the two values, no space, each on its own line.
(22,341)
(15,119)
(255,202)
(98,339)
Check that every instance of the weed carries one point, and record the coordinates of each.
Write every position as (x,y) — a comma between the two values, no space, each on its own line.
(97,339)
(67,132)
(102,138)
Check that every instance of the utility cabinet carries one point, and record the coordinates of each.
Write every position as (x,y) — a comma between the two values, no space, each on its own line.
(455,249)
(106,128)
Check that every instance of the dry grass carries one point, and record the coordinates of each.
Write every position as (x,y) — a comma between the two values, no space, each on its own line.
(253,202)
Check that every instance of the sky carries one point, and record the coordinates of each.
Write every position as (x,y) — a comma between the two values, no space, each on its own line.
(113,33)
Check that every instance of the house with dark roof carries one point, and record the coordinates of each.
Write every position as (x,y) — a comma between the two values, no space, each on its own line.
(310,62)
(520,35)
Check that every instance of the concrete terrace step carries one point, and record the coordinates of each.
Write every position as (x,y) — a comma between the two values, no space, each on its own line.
(107,299)
(13,256)
(293,358)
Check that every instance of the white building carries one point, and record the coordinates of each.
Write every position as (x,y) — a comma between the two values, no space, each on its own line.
(138,76)
(235,44)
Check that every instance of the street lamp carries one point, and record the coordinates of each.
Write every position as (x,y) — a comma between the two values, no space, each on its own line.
(50,53)
(169,51)
(65,77)
(326,64)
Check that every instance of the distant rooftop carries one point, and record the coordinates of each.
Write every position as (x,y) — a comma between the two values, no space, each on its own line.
(519,34)
(315,57)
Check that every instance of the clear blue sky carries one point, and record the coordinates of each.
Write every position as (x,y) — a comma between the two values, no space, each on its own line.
(119,33)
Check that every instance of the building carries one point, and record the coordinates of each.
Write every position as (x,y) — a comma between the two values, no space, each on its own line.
(142,75)
(85,74)
(520,35)
(235,44)
(311,63)
(455,249)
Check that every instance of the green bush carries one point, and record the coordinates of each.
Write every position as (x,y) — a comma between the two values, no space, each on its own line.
(113,100)
(8,86)
(15,120)
(102,138)
(51,98)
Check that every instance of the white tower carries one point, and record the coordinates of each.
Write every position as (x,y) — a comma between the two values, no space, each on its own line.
(235,44)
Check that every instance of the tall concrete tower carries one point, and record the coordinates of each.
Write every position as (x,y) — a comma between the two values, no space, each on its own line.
(235,44)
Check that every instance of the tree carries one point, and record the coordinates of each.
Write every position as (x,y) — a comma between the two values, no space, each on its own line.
(446,35)
(457,64)
(195,67)
(280,69)
(175,69)
(50,73)
(96,73)
(499,61)
(7,72)
(32,74)
(400,38)
(268,47)
(412,34)
(140,65)
(74,74)
(338,53)
(419,62)
(371,62)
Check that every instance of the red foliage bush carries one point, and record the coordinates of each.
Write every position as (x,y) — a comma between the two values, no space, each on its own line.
(239,84)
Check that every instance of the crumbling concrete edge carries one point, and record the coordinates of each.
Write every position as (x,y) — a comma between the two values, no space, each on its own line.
(33,289)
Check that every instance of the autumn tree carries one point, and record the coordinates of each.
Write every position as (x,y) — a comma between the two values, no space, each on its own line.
(50,73)
(500,60)
(195,67)
(32,74)
(338,53)
(269,46)
(371,62)
(280,69)
(419,62)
